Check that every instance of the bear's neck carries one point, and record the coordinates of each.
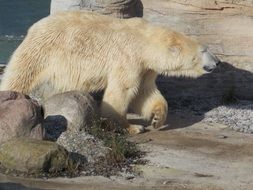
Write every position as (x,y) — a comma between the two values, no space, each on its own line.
(159,57)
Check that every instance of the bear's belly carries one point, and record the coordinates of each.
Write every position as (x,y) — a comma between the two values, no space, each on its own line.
(93,84)
(54,85)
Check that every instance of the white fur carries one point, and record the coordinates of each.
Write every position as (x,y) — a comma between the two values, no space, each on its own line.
(90,52)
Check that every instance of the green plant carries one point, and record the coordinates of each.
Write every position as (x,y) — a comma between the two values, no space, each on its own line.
(115,138)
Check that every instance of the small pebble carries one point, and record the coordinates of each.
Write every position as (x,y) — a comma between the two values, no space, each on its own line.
(222,136)
(129,177)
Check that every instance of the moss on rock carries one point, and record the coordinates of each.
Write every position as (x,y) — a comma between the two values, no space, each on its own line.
(33,156)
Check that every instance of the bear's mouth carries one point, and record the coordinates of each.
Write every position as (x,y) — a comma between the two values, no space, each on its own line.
(209,69)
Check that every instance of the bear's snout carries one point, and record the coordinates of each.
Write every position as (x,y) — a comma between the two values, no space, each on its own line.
(210,61)
(208,68)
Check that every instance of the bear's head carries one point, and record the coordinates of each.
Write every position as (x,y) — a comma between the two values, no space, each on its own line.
(186,57)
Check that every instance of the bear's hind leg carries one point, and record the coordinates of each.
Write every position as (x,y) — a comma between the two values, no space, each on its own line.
(24,67)
(115,105)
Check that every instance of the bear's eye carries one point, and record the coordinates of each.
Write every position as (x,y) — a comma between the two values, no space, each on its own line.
(194,59)
(203,49)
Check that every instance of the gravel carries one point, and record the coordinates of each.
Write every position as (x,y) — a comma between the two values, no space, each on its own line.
(81,143)
(238,116)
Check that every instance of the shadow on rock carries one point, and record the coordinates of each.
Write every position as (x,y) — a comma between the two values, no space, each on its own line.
(54,126)
(15,186)
(195,97)
(81,159)
(190,99)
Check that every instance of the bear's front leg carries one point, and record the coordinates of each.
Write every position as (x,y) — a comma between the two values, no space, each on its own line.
(152,107)
(115,105)
(158,112)
(149,102)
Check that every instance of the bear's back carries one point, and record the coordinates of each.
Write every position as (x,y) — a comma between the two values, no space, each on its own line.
(86,21)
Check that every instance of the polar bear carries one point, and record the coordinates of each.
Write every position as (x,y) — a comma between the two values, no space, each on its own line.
(91,52)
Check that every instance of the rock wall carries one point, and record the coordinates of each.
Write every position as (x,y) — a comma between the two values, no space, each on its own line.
(226,26)
(117,8)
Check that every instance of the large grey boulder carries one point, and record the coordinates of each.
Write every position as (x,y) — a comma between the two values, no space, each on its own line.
(33,156)
(69,111)
(66,117)
(117,8)
(19,116)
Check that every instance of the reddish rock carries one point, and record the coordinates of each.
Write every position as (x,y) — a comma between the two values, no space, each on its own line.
(19,116)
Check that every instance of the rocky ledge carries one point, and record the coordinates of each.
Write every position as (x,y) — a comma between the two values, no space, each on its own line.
(64,136)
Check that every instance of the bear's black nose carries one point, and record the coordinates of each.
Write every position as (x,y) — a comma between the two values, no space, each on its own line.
(218,63)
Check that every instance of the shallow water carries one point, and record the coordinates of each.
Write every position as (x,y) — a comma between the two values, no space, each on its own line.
(16,16)
(7,46)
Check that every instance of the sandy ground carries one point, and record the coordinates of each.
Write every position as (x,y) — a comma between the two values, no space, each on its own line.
(199,156)
(190,153)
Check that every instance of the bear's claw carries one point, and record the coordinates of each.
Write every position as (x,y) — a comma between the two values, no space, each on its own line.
(157,120)
(135,129)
